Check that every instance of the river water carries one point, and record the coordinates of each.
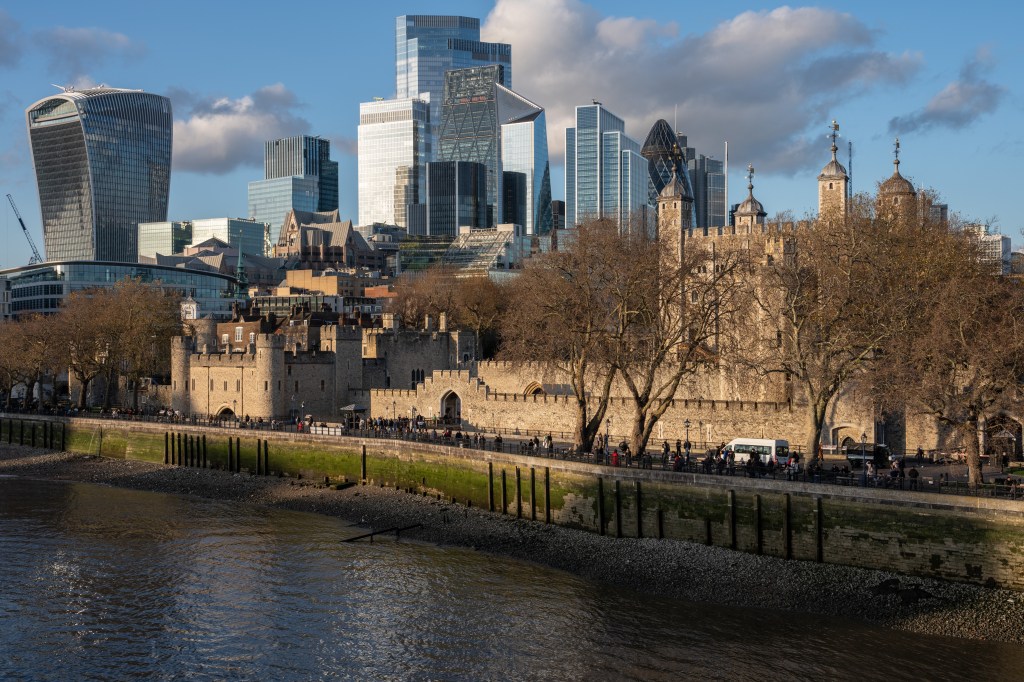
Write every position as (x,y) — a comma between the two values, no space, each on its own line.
(100,583)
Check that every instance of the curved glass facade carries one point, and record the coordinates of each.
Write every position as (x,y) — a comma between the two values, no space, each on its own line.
(103,165)
(665,158)
(42,288)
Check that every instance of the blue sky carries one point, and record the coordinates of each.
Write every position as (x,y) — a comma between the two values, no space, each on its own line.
(766,77)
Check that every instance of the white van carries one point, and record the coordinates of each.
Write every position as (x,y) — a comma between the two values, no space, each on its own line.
(766,448)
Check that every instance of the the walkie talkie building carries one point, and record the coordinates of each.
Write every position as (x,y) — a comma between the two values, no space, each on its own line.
(102,158)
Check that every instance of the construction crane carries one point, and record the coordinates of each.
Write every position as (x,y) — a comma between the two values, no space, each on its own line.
(36,258)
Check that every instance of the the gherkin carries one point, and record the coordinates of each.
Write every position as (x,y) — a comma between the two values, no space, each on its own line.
(665,159)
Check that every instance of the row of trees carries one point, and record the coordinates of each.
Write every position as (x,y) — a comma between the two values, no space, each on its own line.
(102,334)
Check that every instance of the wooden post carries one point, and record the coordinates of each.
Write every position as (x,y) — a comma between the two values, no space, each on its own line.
(179,462)
(504,494)
(639,512)
(204,451)
(600,505)
(167,449)
(238,455)
(519,494)
(758,529)
(21,434)
(732,519)
(259,457)
(707,531)
(787,529)
(33,425)
(618,510)
(547,494)
(266,458)
(231,455)
(63,428)
(533,494)
(490,486)
(819,528)
(661,524)
(10,430)
(362,466)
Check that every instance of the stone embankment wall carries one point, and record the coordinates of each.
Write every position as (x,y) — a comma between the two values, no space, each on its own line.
(977,540)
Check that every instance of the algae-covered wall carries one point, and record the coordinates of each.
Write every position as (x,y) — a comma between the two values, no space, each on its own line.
(977,540)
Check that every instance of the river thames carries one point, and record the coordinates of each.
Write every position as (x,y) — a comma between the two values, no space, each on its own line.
(102,583)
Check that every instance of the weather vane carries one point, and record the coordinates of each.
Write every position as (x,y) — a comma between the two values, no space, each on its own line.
(750,176)
(896,152)
(834,134)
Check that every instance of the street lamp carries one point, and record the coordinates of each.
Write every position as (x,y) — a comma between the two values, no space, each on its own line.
(686,423)
(863,458)
(394,410)
(234,409)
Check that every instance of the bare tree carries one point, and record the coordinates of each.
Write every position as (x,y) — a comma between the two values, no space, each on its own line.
(480,303)
(84,320)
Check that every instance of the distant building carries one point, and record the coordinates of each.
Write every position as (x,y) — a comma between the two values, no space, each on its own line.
(166,237)
(524,151)
(557,214)
(394,148)
(994,248)
(707,181)
(455,196)
(298,174)
(102,158)
(665,161)
(312,240)
(427,46)
(605,174)
(248,235)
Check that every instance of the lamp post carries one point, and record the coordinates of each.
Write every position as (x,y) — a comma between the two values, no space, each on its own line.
(234,409)
(863,458)
(686,423)
(394,410)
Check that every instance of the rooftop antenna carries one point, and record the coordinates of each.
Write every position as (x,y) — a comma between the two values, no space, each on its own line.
(597,103)
(675,120)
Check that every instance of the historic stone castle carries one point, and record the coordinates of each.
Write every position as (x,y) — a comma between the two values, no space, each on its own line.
(307,364)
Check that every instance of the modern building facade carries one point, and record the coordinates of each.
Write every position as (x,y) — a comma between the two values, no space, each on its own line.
(238,233)
(557,214)
(168,238)
(394,148)
(605,174)
(427,46)
(455,196)
(665,162)
(298,173)
(102,159)
(524,150)
(707,179)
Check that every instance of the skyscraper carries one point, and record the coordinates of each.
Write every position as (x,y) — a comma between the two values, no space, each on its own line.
(605,175)
(102,158)
(298,173)
(707,180)
(455,195)
(426,46)
(394,148)
(665,161)
(524,150)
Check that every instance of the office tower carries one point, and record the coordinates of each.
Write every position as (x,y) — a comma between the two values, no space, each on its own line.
(557,214)
(427,46)
(455,196)
(102,158)
(524,152)
(239,233)
(394,147)
(707,180)
(478,116)
(605,174)
(665,161)
(165,238)
(297,173)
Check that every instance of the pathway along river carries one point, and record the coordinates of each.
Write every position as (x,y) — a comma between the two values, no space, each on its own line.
(103,583)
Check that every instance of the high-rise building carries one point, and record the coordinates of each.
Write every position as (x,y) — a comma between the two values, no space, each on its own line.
(994,249)
(166,238)
(294,169)
(605,174)
(557,214)
(102,158)
(524,151)
(394,148)
(238,233)
(665,161)
(707,180)
(455,196)
(426,46)
(479,117)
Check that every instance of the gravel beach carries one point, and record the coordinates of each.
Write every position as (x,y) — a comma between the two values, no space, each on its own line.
(665,567)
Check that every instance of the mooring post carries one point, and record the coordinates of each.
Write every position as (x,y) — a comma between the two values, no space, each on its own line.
(21,433)
(362,466)
(63,427)
(732,519)
(266,458)
(618,510)
(707,531)
(32,439)
(639,512)
(600,505)
(819,528)
(758,529)
(179,462)
(504,494)
(238,455)
(519,494)
(231,455)
(533,494)
(661,524)
(547,494)
(787,530)
(167,449)
(490,486)
(259,457)
(204,451)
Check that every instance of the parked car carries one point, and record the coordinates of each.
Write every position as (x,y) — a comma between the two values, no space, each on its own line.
(858,454)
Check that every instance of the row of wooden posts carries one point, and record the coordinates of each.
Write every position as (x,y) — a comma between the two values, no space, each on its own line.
(603,520)
(187,449)
(49,435)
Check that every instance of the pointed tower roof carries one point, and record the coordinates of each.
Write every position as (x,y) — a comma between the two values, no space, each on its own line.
(675,189)
(833,169)
(896,184)
(750,205)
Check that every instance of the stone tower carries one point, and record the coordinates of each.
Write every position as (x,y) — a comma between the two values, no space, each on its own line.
(750,215)
(181,351)
(833,183)
(897,198)
(675,216)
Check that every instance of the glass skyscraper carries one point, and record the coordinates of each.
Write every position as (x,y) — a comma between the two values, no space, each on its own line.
(271,200)
(394,148)
(455,195)
(102,159)
(238,233)
(605,175)
(426,46)
(165,238)
(524,149)
(665,160)
(707,179)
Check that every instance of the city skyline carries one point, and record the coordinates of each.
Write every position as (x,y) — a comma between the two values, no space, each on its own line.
(765,77)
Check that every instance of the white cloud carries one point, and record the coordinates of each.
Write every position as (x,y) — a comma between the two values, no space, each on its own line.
(760,80)
(217,135)
(75,51)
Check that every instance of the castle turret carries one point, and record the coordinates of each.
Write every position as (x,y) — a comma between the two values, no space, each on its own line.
(833,183)
(675,210)
(751,212)
(897,198)
(181,391)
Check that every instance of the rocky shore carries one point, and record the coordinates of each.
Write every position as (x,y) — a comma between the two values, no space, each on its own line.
(677,569)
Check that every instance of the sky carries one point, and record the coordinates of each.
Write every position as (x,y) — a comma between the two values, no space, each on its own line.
(767,78)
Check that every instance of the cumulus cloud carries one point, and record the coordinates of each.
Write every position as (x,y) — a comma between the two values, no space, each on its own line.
(217,135)
(761,80)
(10,40)
(960,103)
(74,51)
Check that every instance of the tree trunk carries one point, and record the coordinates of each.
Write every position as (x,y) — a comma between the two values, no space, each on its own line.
(638,435)
(83,395)
(583,440)
(975,477)
(815,421)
